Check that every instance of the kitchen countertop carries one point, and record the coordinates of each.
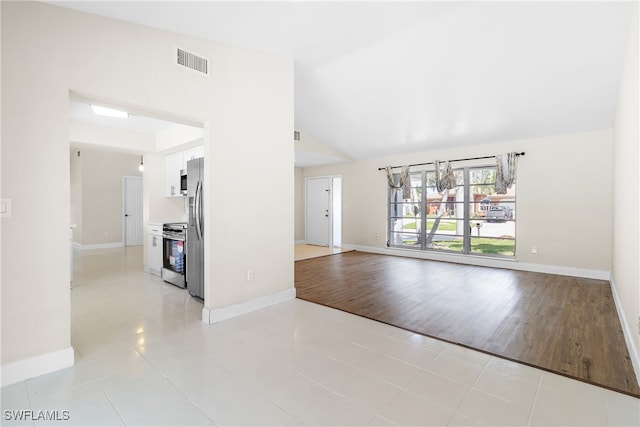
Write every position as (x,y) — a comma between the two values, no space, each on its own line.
(166,221)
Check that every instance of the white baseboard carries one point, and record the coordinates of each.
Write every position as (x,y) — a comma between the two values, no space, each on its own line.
(300,242)
(214,315)
(626,331)
(486,262)
(35,366)
(80,247)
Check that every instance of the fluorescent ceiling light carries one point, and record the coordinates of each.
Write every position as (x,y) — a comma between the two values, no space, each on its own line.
(109,112)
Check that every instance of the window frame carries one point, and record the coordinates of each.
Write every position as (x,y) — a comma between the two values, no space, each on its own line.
(397,210)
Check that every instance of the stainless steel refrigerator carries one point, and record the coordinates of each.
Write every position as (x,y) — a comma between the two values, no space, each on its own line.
(195,228)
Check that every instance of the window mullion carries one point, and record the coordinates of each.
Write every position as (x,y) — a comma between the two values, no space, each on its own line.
(467,214)
(423,209)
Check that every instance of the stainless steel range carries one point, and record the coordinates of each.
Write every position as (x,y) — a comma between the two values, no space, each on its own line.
(174,236)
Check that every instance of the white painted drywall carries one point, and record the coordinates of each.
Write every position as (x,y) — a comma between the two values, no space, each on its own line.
(176,136)
(310,151)
(626,194)
(101,136)
(75,180)
(49,51)
(299,234)
(563,197)
(249,179)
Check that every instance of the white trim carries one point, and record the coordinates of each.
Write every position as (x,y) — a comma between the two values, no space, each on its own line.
(510,264)
(300,242)
(35,366)
(91,246)
(626,331)
(214,315)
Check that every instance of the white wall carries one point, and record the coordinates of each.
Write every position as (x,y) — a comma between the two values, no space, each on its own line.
(563,198)
(309,151)
(75,195)
(176,136)
(299,200)
(626,196)
(120,139)
(249,176)
(248,102)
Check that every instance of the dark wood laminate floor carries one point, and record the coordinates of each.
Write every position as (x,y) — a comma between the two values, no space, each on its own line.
(562,324)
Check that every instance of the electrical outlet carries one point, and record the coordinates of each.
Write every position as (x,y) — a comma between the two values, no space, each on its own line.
(534,249)
(249,275)
(5,208)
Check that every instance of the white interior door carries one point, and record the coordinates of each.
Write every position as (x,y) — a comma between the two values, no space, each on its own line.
(318,202)
(132,206)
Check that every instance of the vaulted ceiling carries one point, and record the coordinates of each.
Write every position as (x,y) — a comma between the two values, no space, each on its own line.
(375,78)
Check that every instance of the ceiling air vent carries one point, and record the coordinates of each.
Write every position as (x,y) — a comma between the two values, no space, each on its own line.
(296,135)
(192,61)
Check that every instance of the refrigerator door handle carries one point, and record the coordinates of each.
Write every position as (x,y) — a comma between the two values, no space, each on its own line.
(201,213)
(197,208)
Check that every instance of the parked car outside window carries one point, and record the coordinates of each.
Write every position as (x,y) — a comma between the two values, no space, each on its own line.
(499,213)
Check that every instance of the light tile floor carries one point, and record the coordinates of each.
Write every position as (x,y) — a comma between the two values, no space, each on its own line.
(143,357)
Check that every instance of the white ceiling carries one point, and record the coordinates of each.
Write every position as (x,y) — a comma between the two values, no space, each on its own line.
(375,78)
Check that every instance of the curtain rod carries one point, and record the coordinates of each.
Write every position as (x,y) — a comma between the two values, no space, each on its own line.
(456,160)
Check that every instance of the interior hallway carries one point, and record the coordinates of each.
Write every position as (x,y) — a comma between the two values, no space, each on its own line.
(145,358)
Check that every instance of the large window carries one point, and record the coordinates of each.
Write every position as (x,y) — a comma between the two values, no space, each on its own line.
(469,219)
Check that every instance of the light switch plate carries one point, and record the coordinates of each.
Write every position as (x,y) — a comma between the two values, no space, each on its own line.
(5,208)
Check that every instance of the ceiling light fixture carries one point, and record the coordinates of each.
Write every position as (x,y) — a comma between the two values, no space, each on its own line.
(141,165)
(109,112)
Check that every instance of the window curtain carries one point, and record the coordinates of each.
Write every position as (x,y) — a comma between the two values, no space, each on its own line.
(404,181)
(445,180)
(505,172)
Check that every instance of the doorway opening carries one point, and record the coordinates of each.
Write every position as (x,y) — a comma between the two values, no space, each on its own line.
(119,185)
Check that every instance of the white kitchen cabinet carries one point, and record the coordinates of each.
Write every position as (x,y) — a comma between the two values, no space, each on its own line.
(176,162)
(173,165)
(192,153)
(154,249)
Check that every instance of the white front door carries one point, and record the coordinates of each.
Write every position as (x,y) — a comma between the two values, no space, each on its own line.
(318,196)
(132,206)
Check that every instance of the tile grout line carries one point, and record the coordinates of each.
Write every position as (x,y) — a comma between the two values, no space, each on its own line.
(535,400)
(471,388)
(242,381)
(176,387)
(113,405)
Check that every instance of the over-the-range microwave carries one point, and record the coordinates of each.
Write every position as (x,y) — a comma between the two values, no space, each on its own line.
(183,182)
